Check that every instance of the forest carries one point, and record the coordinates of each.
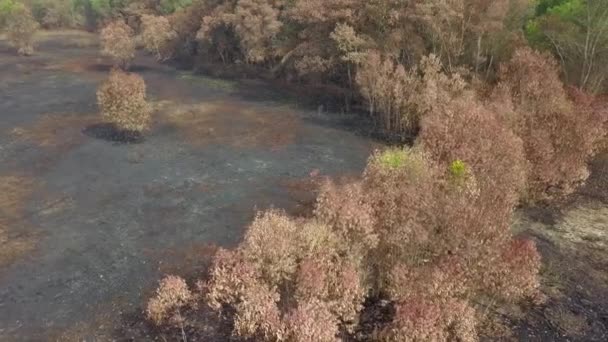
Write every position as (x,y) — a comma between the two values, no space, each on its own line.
(485,111)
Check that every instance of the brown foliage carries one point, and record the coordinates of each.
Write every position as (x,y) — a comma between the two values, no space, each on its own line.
(418,319)
(558,137)
(171,295)
(20,29)
(117,43)
(122,101)
(157,36)
(312,322)
(288,279)
(444,238)
(255,23)
(400,98)
(465,130)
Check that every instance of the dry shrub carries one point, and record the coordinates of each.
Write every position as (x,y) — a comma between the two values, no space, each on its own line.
(397,98)
(344,207)
(466,131)
(172,295)
(312,322)
(289,279)
(422,320)
(400,186)
(444,238)
(117,43)
(122,101)
(20,29)
(559,137)
(158,36)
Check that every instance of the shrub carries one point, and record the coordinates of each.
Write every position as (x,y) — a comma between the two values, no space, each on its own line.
(117,43)
(442,243)
(463,134)
(558,138)
(20,29)
(312,322)
(157,36)
(171,295)
(344,207)
(122,101)
(288,279)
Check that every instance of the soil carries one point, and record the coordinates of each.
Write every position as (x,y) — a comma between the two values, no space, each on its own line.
(91,220)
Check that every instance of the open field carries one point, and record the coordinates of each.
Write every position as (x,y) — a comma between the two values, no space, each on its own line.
(89,225)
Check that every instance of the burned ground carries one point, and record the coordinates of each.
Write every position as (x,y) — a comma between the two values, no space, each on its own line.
(89,225)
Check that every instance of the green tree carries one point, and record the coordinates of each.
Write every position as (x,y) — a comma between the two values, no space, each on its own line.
(576,31)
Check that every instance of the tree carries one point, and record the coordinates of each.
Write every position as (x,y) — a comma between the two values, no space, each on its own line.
(157,36)
(558,137)
(254,22)
(399,99)
(122,101)
(21,28)
(576,31)
(117,43)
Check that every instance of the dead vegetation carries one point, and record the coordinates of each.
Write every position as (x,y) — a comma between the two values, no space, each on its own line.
(122,102)
(117,43)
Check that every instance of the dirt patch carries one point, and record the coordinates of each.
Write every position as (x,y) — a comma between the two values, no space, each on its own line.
(57,131)
(236,124)
(15,191)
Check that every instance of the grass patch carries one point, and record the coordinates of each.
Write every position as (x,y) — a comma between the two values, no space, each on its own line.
(393,158)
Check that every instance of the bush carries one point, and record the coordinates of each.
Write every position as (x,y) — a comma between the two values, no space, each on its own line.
(444,242)
(289,278)
(559,138)
(463,134)
(20,29)
(117,43)
(157,36)
(122,101)
(171,295)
